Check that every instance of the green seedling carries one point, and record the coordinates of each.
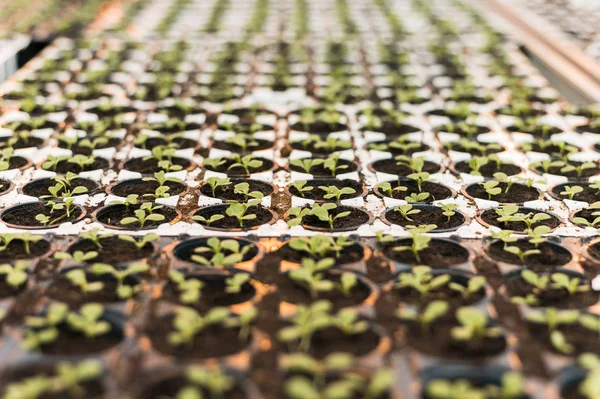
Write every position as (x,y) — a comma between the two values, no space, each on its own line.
(144,214)
(124,291)
(420,241)
(15,275)
(333,192)
(553,318)
(406,211)
(224,252)
(307,164)
(320,246)
(188,323)
(449,210)
(78,278)
(246,162)
(474,325)
(301,186)
(386,188)
(571,191)
(426,316)
(77,256)
(584,222)
(422,280)
(244,189)
(190,290)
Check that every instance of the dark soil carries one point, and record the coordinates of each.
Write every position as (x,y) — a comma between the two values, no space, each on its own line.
(32,141)
(473,151)
(319,127)
(321,171)
(552,255)
(588,194)
(113,251)
(142,187)
(439,342)
(113,142)
(355,219)
(490,217)
(297,293)
(261,145)
(212,294)
(227,192)
(7,290)
(110,112)
(587,214)
(24,215)
(554,297)
(331,340)
(428,214)
(213,341)
(247,128)
(65,166)
(73,343)
(588,128)
(594,251)
(536,131)
(16,250)
(517,193)
(582,339)
(461,131)
(317,194)
(454,298)
(555,170)
(170,387)
(391,129)
(263,216)
(385,146)
(173,111)
(38,188)
(489,169)
(390,166)
(61,289)
(550,149)
(440,254)
(113,214)
(180,142)
(523,114)
(436,191)
(238,170)
(17,162)
(247,115)
(149,166)
(313,149)
(349,254)
(185,249)
(4,186)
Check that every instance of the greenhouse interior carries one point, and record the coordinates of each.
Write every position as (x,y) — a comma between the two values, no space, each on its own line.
(306,199)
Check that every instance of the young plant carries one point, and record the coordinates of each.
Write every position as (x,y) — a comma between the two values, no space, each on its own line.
(419,240)
(301,186)
(234,284)
(43,329)
(333,192)
(571,191)
(88,320)
(246,162)
(131,199)
(93,236)
(386,188)
(554,318)
(307,320)
(512,386)
(140,244)
(243,321)
(124,291)
(78,278)
(188,323)
(491,188)
(216,182)
(449,210)
(319,246)
(215,381)
(244,189)
(406,211)
(307,164)
(584,222)
(417,197)
(77,256)
(26,238)
(422,280)
(218,249)
(15,275)
(474,325)
(144,214)
(190,290)
(426,316)
(240,210)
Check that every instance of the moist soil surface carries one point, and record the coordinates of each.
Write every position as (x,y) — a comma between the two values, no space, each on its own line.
(170,387)
(31,141)
(16,250)
(454,298)
(594,251)
(516,194)
(185,250)
(490,217)
(390,166)
(113,142)
(344,166)
(263,216)
(588,128)
(389,147)
(440,254)
(113,214)
(549,149)
(227,193)
(456,129)
(24,215)
(330,340)
(556,170)
(240,171)
(522,113)
(554,297)
(73,343)
(259,146)
(391,129)
(473,151)
(319,151)
(65,166)
(319,127)
(113,250)
(246,128)
(536,131)
(4,186)
(436,191)
(355,219)
(142,187)
(181,142)
(551,255)
(213,292)
(428,214)
(439,342)
(7,290)
(38,188)
(299,293)
(213,341)
(588,194)
(349,254)
(582,339)
(587,214)
(149,166)
(318,194)
(489,169)
(61,289)
(17,162)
